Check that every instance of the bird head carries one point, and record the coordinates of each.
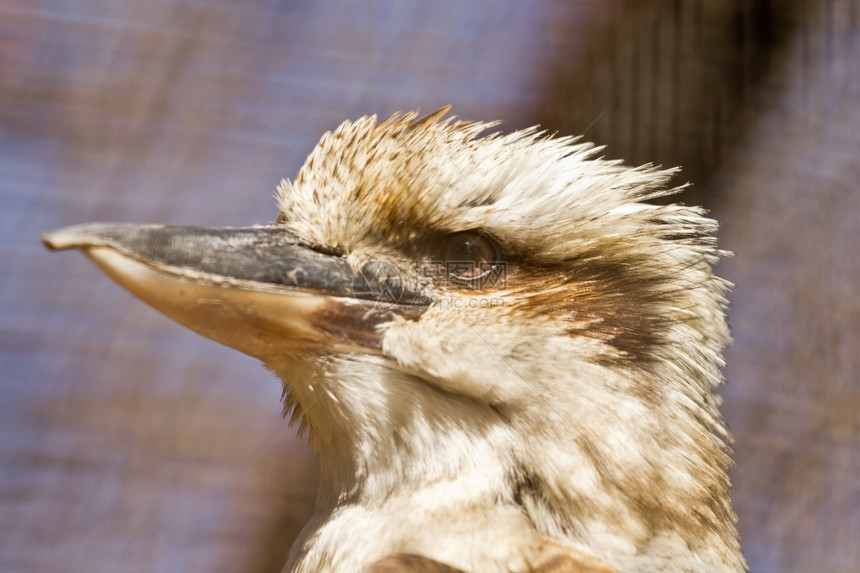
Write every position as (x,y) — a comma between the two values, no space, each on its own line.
(442,302)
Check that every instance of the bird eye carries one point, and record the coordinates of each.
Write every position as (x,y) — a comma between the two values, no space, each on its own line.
(469,256)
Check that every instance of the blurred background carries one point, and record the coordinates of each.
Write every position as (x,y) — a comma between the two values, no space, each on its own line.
(130,444)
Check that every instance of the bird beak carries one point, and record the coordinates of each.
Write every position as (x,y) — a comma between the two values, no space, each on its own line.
(260,290)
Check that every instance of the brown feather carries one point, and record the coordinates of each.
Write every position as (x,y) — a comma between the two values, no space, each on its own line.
(410,563)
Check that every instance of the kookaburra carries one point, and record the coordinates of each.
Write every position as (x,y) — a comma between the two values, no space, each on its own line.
(504,355)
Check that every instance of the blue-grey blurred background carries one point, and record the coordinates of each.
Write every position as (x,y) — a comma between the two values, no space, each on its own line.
(130,444)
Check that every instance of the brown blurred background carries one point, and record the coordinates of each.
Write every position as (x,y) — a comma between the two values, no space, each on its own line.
(130,444)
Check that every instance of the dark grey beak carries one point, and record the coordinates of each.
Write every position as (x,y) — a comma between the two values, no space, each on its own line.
(258,289)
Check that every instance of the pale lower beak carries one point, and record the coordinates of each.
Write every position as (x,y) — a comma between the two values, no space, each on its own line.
(260,290)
